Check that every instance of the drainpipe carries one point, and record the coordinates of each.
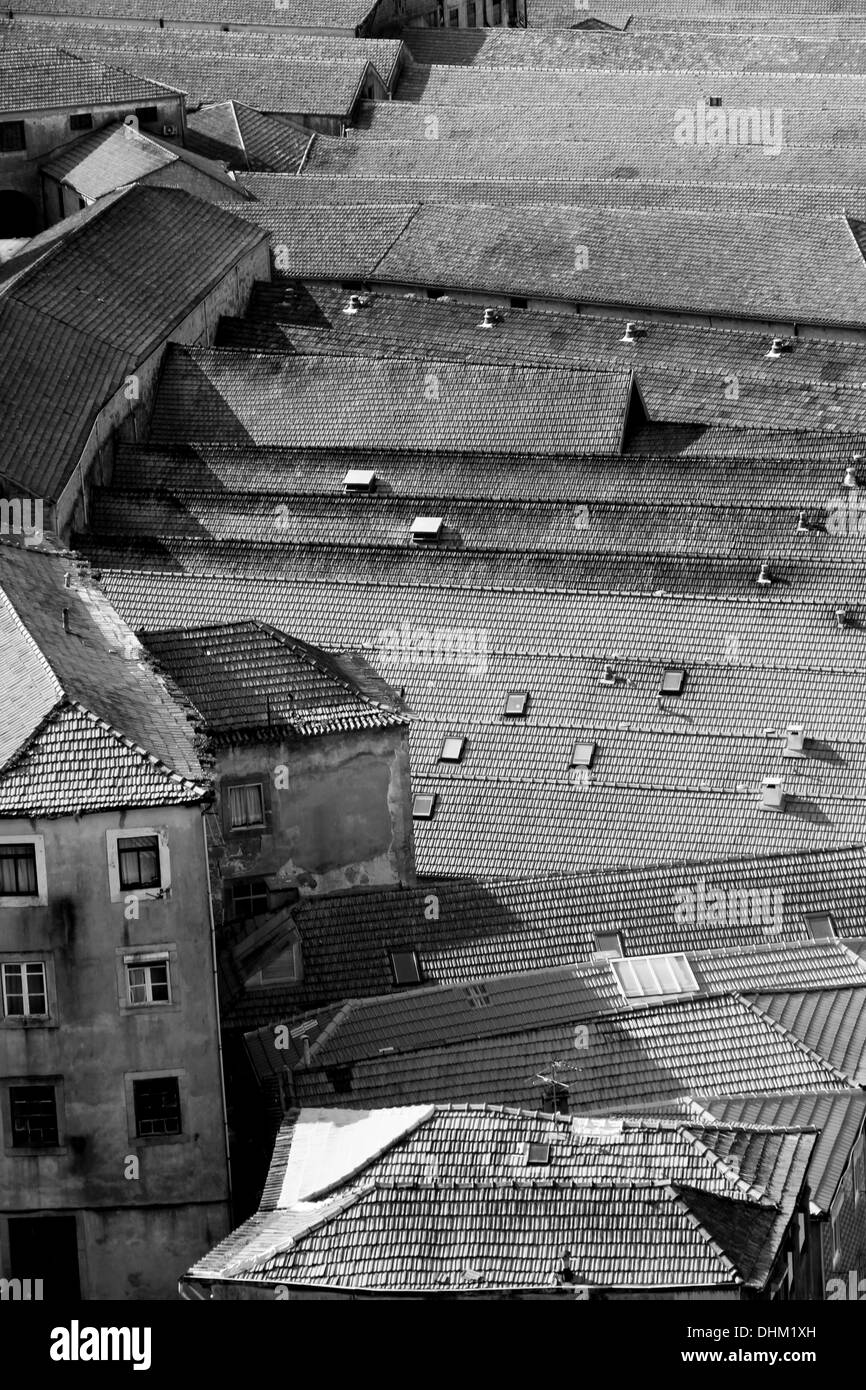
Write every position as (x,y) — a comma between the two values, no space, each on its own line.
(216,1000)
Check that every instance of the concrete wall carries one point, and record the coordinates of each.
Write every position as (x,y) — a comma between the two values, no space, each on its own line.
(129,416)
(46,132)
(343,821)
(95,1042)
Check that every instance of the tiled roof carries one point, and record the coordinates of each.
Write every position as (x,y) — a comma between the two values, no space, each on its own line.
(249,678)
(246,139)
(831,1021)
(321,401)
(115,156)
(839,1116)
(773,268)
(614,1060)
(422,1018)
(52,78)
(404,1177)
(83,717)
(335,14)
(481,929)
(75,323)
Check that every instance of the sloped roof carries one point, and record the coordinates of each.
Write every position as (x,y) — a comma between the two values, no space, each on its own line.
(405,1179)
(832,1021)
(85,722)
(306,13)
(247,139)
(249,679)
(302,401)
(615,1061)
(45,79)
(116,156)
(75,323)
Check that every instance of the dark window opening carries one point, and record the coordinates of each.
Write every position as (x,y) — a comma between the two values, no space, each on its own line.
(18,871)
(246,898)
(11,136)
(340,1078)
(138,862)
(34,1117)
(518,303)
(83,121)
(147,115)
(157,1106)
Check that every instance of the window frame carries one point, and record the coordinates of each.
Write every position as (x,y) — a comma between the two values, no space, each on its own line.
(118,894)
(810,917)
(21,126)
(247,825)
(24,965)
(395,970)
(146,960)
(78,116)
(229,886)
(10,1084)
(176,1074)
(40,897)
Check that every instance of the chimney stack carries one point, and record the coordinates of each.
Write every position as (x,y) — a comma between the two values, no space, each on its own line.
(795,739)
(777,348)
(772,794)
(629,336)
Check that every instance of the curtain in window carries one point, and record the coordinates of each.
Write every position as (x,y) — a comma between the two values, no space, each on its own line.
(17,869)
(245,805)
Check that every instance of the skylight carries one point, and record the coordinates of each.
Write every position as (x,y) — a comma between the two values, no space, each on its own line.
(452,749)
(426,528)
(478,996)
(582,754)
(820,925)
(423,806)
(608,944)
(360,480)
(405,967)
(537,1155)
(673,681)
(654,977)
(516,703)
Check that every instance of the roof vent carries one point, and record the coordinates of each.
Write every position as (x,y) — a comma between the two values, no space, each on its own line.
(803,522)
(360,480)
(67,580)
(356,303)
(490,318)
(777,348)
(845,618)
(764,577)
(772,794)
(426,528)
(795,740)
(851,475)
(629,336)
(608,676)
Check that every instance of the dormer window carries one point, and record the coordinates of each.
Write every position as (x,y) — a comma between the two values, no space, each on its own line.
(426,529)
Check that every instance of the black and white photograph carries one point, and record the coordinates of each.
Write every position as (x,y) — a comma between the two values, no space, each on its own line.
(432,676)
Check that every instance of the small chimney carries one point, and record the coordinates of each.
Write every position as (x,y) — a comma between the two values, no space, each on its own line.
(66,620)
(355,304)
(803,522)
(609,675)
(795,740)
(772,794)
(777,348)
(629,336)
(67,580)
(489,319)
(851,479)
(844,618)
(764,577)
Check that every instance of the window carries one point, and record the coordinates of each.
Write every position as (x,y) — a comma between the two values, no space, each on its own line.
(653,977)
(554,1099)
(608,944)
(246,805)
(537,1155)
(25,991)
(18,876)
(285,969)
(245,898)
(147,115)
(34,1117)
(518,303)
(582,754)
(673,681)
(820,925)
(83,121)
(423,806)
(11,136)
(497,11)
(714,101)
(147,980)
(452,749)
(138,862)
(453,19)
(471,15)
(340,1078)
(405,967)
(516,702)
(157,1106)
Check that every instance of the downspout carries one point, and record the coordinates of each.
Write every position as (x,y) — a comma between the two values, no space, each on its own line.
(216,1000)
